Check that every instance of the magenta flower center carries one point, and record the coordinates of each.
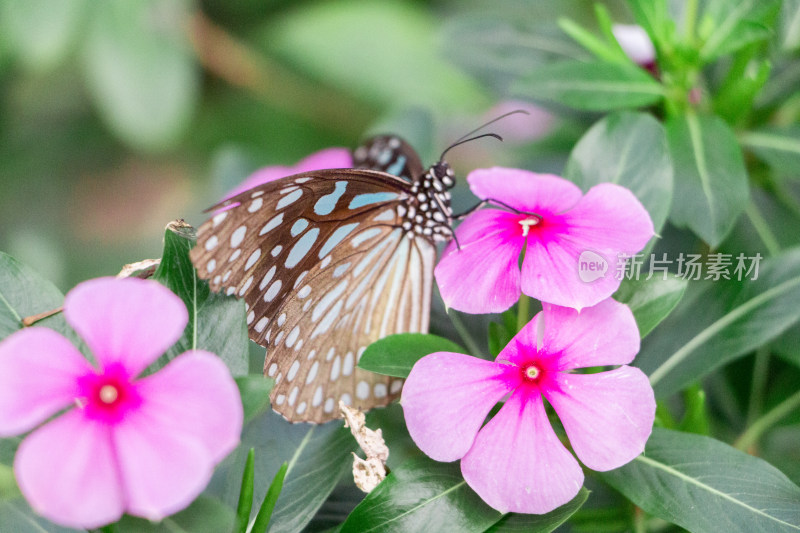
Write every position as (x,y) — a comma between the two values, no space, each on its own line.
(107,396)
(531,373)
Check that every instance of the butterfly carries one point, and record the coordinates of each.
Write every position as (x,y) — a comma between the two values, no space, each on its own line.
(328,262)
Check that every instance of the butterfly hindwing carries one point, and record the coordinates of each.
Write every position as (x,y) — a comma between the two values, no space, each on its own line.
(325,269)
(390,154)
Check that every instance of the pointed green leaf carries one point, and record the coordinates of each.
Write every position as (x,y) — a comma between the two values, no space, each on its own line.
(710,178)
(706,486)
(245,495)
(216,322)
(268,505)
(396,354)
(591,86)
(629,149)
(719,321)
(651,300)
(421,495)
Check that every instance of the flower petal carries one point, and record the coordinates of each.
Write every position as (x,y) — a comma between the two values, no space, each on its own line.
(38,377)
(523,190)
(517,463)
(66,470)
(328,158)
(605,334)
(162,470)
(131,321)
(483,276)
(196,395)
(446,399)
(608,416)
(559,265)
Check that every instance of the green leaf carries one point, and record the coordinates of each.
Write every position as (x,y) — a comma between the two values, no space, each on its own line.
(396,354)
(23,293)
(540,523)
(204,515)
(651,300)
(40,32)
(498,51)
(704,485)
(245,495)
(591,86)
(268,505)
(397,61)
(254,390)
(422,495)
(710,177)
(140,69)
(317,456)
(789,25)
(717,322)
(17,517)
(499,336)
(216,322)
(734,24)
(629,149)
(597,47)
(780,147)
(654,17)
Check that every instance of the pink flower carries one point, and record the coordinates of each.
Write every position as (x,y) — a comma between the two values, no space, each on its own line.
(522,128)
(324,159)
(516,462)
(572,242)
(143,446)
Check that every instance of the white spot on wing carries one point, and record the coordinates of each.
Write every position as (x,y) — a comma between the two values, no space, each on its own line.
(238,236)
(212,242)
(273,223)
(289,199)
(272,291)
(293,371)
(252,259)
(362,390)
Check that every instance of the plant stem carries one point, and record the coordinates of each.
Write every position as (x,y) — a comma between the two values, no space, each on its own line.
(523,311)
(463,332)
(690,20)
(760,426)
(763,229)
(759,383)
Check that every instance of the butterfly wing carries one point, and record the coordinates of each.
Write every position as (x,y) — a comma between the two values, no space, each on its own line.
(325,270)
(391,154)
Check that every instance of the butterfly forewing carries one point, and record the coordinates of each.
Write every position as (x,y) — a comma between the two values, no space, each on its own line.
(325,269)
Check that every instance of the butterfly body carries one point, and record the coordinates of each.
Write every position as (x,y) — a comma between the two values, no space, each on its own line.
(328,262)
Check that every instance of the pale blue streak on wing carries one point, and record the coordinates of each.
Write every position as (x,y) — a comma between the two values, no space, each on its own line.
(371,198)
(302,247)
(326,204)
(335,238)
(397,166)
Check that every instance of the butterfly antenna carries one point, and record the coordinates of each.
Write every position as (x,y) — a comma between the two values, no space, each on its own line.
(463,139)
(457,143)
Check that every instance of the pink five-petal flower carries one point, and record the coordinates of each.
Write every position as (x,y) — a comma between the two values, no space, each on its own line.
(324,159)
(516,462)
(144,446)
(562,232)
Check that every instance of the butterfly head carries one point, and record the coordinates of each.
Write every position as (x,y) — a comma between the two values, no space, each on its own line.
(443,172)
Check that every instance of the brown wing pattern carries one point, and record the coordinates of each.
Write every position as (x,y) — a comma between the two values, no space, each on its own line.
(325,270)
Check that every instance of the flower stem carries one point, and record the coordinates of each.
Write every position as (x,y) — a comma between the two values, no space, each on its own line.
(760,426)
(463,332)
(523,311)
(690,20)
